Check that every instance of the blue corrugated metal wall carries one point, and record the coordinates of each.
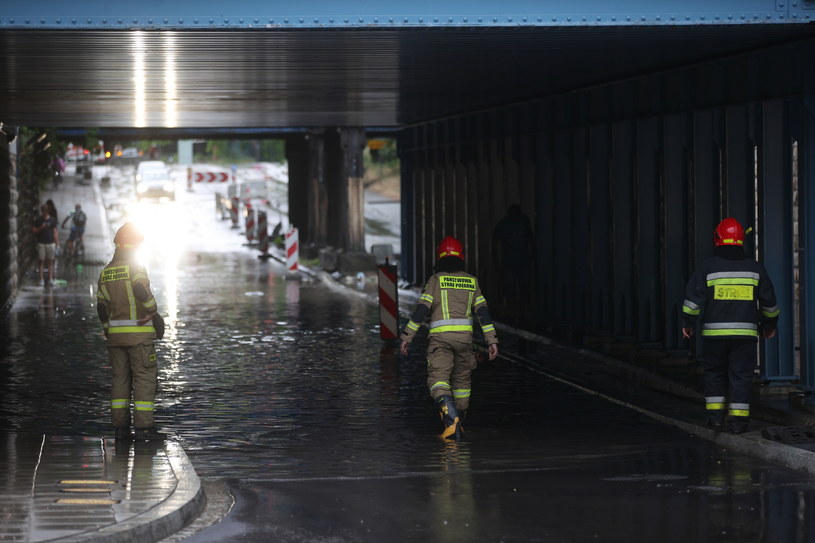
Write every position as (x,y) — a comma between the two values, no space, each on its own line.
(625,184)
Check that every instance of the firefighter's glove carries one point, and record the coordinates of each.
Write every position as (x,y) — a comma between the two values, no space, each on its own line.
(158,324)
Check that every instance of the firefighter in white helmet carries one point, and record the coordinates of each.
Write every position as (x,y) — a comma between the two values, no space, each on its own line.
(129,316)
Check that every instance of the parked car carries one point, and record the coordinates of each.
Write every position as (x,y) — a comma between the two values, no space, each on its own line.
(153,180)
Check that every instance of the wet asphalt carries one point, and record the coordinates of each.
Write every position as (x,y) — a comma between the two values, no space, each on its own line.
(280,390)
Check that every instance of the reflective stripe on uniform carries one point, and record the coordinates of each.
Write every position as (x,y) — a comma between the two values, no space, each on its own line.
(440,384)
(150,303)
(451,325)
(119,403)
(714,403)
(426,298)
(128,329)
(770,312)
(143,406)
(461,392)
(730,329)
(740,409)
(103,293)
(126,322)
(445,307)
(128,325)
(691,308)
(731,332)
(488,328)
(412,325)
(131,299)
(480,300)
(732,278)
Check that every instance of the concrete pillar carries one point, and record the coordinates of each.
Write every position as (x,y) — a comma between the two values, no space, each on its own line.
(298,161)
(344,171)
(308,202)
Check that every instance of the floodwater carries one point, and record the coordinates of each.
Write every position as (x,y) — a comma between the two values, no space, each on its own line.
(282,389)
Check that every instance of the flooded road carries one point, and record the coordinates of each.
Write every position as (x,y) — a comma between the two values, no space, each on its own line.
(282,389)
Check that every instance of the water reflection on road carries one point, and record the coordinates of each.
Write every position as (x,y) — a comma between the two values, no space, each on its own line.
(283,387)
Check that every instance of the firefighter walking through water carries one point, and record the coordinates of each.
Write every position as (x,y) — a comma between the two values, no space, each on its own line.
(450,299)
(736,299)
(128,312)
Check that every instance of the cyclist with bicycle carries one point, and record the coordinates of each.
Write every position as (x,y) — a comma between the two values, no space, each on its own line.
(78,220)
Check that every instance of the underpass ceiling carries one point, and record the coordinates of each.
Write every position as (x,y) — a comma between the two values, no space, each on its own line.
(291,78)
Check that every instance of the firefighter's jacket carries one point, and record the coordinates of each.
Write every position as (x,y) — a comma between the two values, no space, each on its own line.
(123,299)
(451,300)
(734,295)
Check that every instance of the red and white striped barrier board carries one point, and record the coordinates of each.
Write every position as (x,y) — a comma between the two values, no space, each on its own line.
(211,177)
(292,250)
(388,303)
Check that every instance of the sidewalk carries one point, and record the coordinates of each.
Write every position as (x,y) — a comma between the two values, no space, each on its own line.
(91,489)
(72,489)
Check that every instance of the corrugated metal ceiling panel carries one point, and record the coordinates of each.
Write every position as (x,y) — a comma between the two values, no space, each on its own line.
(291,78)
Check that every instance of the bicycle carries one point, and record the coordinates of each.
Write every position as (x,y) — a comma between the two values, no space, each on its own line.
(74,247)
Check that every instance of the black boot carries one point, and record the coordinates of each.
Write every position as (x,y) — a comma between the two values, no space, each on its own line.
(739,425)
(149,434)
(715,419)
(449,416)
(123,433)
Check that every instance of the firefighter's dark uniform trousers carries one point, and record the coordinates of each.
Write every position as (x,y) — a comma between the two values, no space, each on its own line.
(735,297)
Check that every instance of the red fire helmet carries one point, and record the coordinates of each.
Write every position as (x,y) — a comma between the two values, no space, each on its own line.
(729,232)
(450,246)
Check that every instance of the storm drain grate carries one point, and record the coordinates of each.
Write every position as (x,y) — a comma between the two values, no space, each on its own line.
(790,434)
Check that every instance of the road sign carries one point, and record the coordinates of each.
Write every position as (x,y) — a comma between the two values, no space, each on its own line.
(211,177)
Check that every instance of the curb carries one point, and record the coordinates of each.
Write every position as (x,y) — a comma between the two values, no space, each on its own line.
(164,519)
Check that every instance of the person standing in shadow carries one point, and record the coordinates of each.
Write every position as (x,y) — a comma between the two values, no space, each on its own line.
(513,250)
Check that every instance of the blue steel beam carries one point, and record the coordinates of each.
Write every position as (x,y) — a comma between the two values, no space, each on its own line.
(326,14)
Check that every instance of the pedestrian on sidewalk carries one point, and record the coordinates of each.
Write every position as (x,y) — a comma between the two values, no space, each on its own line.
(450,299)
(736,301)
(129,316)
(52,209)
(45,227)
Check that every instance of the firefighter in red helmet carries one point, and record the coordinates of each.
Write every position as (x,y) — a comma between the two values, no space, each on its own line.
(129,316)
(450,299)
(735,299)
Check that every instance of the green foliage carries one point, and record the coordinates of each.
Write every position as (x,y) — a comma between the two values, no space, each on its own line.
(241,151)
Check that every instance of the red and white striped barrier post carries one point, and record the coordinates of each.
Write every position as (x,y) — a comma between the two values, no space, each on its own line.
(263,236)
(292,250)
(388,302)
(233,212)
(250,223)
